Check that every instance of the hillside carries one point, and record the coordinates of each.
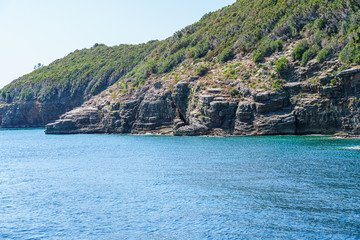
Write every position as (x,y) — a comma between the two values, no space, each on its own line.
(43,95)
(236,53)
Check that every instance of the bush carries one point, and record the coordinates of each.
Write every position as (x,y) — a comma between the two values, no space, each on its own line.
(201,70)
(6,96)
(267,48)
(190,53)
(320,23)
(350,53)
(277,85)
(282,67)
(26,95)
(309,54)
(318,37)
(353,28)
(258,57)
(201,50)
(226,55)
(179,45)
(276,45)
(324,53)
(149,68)
(300,49)
(172,61)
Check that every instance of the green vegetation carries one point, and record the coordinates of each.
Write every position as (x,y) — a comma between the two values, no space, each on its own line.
(234,92)
(324,54)
(201,50)
(39,65)
(201,70)
(309,54)
(277,85)
(226,55)
(351,53)
(282,67)
(300,49)
(257,27)
(333,82)
(83,73)
(267,48)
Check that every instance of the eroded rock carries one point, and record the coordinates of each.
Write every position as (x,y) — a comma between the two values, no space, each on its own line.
(301,108)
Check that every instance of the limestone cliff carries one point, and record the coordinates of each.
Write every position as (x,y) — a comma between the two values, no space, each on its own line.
(188,109)
(35,113)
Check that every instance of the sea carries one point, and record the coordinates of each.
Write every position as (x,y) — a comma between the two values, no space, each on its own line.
(164,187)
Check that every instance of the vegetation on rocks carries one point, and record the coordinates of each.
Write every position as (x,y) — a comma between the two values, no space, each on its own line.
(201,70)
(258,44)
(254,27)
(282,67)
(267,48)
(300,49)
(309,54)
(324,54)
(83,72)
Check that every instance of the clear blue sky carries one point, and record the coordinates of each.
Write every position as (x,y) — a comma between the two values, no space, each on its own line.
(34,31)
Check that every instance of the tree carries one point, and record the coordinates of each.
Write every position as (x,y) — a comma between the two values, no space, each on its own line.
(39,65)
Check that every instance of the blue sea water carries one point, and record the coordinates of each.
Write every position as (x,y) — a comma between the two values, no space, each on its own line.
(151,187)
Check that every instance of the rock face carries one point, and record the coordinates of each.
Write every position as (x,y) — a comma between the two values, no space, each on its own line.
(35,113)
(328,106)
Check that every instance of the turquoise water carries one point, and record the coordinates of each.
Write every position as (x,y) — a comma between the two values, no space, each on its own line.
(148,187)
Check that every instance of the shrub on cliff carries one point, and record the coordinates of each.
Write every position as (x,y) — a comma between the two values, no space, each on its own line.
(26,94)
(324,54)
(300,49)
(258,57)
(283,67)
(267,48)
(351,53)
(201,70)
(171,62)
(201,50)
(226,55)
(309,54)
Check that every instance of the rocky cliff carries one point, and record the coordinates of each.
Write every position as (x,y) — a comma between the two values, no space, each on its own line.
(252,68)
(34,113)
(327,106)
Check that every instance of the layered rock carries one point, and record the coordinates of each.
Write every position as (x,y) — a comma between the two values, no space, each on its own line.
(327,106)
(34,113)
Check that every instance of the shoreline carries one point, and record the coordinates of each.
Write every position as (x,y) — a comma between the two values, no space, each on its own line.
(325,135)
(340,135)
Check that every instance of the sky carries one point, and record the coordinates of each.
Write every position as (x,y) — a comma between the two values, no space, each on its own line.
(41,31)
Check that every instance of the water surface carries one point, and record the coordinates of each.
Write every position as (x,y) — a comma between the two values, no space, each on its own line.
(148,187)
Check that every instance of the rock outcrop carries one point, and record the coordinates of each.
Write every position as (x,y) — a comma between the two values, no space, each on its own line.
(34,113)
(327,106)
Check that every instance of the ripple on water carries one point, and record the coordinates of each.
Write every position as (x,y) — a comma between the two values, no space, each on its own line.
(119,187)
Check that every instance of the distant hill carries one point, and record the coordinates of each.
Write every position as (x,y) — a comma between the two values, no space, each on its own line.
(83,73)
